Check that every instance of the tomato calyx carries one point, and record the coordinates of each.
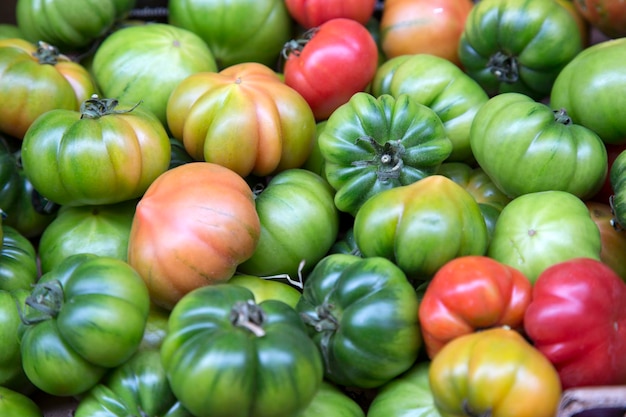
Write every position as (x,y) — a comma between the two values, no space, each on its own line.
(249,315)
(96,107)
(45,302)
(504,67)
(295,46)
(47,54)
(323,321)
(388,157)
(561,116)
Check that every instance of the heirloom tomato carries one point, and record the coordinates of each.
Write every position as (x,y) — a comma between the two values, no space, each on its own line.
(18,260)
(609,16)
(494,372)
(362,315)
(69,25)
(371,144)
(433,27)
(145,62)
(156,328)
(613,239)
(617,176)
(577,319)
(439,84)
(537,230)
(330,63)
(606,191)
(12,374)
(244,118)
(85,316)
(35,79)
(299,223)
(10,31)
(518,45)
(236,31)
(589,89)
(226,355)
(421,226)
(525,146)
(329,400)
(468,294)
(194,225)
(267,289)
(312,13)
(15,403)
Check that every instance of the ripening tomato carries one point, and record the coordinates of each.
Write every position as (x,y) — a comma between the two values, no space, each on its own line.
(312,13)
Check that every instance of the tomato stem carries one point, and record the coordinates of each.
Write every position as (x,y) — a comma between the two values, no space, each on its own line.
(387,157)
(504,67)
(561,116)
(46,300)
(295,46)
(47,54)
(95,107)
(249,315)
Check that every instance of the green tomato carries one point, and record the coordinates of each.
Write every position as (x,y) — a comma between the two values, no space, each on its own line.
(102,230)
(236,31)
(18,261)
(331,401)
(11,371)
(617,177)
(299,224)
(371,144)
(227,356)
(524,146)
(83,317)
(267,289)
(10,31)
(442,86)
(537,230)
(362,315)
(590,86)
(518,45)
(13,403)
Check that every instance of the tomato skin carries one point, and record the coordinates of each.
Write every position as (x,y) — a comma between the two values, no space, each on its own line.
(338,60)
(489,372)
(331,401)
(609,16)
(267,289)
(312,13)
(18,261)
(423,27)
(613,239)
(468,294)
(577,319)
(14,403)
(175,246)
(617,177)
(12,374)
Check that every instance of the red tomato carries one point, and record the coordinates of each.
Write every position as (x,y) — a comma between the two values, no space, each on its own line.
(312,13)
(427,26)
(613,240)
(608,16)
(330,64)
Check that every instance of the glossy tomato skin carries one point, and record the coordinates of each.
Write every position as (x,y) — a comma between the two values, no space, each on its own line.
(609,16)
(440,85)
(490,372)
(263,346)
(35,79)
(577,319)
(423,27)
(613,238)
(244,118)
(617,177)
(12,374)
(525,146)
(334,61)
(267,288)
(518,46)
(18,261)
(362,315)
(332,401)
(312,13)
(15,403)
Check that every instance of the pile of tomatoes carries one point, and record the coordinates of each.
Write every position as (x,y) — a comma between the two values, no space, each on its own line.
(290,208)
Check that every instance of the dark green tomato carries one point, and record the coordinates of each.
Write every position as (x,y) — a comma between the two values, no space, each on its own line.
(18,261)
(156,328)
(371,144)
(139,387)
(617,176)
(439,84)
(227,356)
(180,155)
(86,315)
(518,45)
(331,401)
(362,314)
(524,146)
(346,244)
(11,372)
(14,403)
(102,230)
(590,89)
(299,223)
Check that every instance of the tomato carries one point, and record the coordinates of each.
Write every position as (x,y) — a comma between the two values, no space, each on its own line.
(421,226)
(98,155)
(9,31)
(589,86)
(423,27)
(139,387)
(267,289)
(263,347)
(68,25)
(371,144)
(329,400)
(583,23)
(237,31)
(12,374)
(330,63)
(577,319)
(35,79)
(315,161)
(609,16)
(85,316)
(18,261)
(613,239)
(489,372)
(537,230)
(145,62)
(14,403)
(362,315)
(439,84)
(518,45)
(617,177)
(101,230)
(156,328)
(194,225)
(525,146)
(244,118)
(311,13)
(606,191)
